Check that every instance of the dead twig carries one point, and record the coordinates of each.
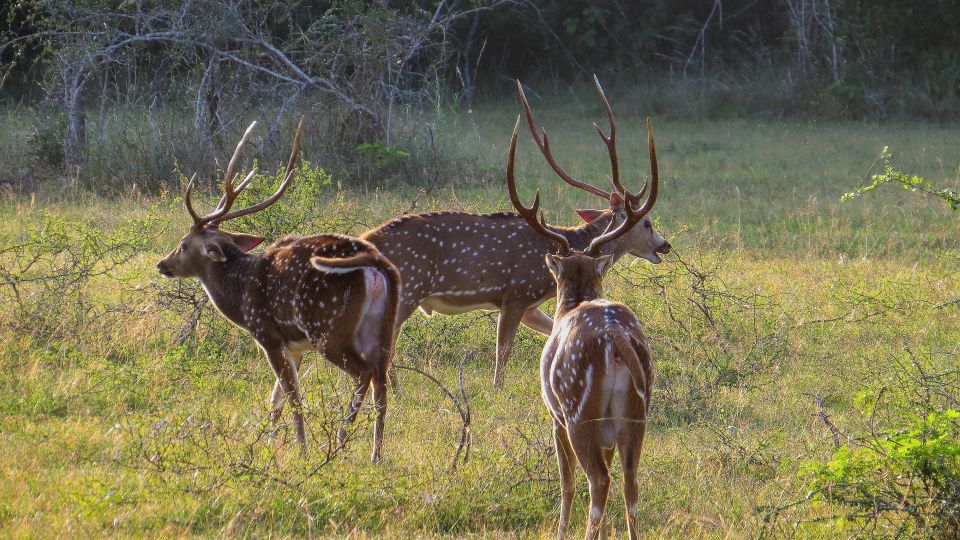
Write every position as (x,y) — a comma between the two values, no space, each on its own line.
(462,404)
(822,414)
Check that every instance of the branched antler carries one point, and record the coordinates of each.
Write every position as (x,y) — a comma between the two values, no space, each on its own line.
(530,214)
(543,142)
(230,192)
(633,215)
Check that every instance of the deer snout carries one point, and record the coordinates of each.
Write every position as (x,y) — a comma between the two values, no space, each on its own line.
(663,248)
(164,271)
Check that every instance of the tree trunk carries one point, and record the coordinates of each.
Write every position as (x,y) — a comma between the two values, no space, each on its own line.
(206,119)
(75,136)
(466,69)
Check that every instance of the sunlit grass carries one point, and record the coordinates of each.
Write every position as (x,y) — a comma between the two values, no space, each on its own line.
(118,430)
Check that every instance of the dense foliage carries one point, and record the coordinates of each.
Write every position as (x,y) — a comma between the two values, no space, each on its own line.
(853,50)
(121,93)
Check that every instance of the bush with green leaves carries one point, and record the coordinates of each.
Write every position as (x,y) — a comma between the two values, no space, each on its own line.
(903,477)
(48,270)
(911,182)
(297,209)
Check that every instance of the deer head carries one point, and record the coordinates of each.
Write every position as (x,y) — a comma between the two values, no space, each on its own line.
(643,241)
(580,274)
(205,245)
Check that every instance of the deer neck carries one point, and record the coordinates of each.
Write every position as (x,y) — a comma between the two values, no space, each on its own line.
(581,236)
(572,294)
(225,284)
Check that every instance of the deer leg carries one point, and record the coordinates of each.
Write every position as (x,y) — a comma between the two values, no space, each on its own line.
(595,461)
(507,326)
(404,311)
(359,393)
(276,397)
(568,483)
(286,374)
(276,402)
(380,398)
(537,320)
(599,487)
(629,457)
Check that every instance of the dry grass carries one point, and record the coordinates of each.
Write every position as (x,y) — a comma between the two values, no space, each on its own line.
(777,291)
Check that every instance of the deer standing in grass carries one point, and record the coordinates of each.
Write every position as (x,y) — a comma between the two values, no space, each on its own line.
(331,293)
(596,371)
(455,262)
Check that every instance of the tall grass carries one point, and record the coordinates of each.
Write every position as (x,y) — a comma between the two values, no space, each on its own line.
(149,418)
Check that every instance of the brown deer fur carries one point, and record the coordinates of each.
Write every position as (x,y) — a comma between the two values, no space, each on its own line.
(596,371)
(596,376)
(331,293)
(454,262)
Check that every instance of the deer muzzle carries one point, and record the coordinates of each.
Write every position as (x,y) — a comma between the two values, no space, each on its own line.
(163,269)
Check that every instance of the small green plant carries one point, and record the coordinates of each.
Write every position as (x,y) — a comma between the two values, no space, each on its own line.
(910,182)
(381,154)
(904,476)
(910,474)
(381,164)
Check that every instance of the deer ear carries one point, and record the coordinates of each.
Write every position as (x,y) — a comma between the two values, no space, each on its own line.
(604,262)
(616,200)
(589,215)
(213,252)
(246,242)
(553,264)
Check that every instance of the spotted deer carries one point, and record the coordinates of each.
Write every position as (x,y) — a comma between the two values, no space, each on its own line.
(596,371)
(455,262)
(331,293)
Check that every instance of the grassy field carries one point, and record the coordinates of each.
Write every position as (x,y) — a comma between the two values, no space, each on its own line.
(129,409)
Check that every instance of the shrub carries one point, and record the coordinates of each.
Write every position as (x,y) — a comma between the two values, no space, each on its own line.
(911,182)
(904,476)
(48,271)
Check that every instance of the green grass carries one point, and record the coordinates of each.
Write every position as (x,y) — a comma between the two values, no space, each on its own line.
(777,291)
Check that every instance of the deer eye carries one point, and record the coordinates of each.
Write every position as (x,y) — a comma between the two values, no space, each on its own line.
(646,223)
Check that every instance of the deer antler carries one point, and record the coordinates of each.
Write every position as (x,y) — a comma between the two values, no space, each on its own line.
(530,214)
(543,142)
(633,215)
(222,212)
(228,192)
(611,144)
(273,198)
(188,201)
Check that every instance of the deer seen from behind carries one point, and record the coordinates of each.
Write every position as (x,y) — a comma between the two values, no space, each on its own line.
(331,293)
(455,262)
(596,371)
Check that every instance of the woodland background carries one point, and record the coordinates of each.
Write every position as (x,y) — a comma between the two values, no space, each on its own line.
(130,90)
(805,327)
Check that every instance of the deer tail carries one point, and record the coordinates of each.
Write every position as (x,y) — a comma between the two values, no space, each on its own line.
(639,368)
(371,259)
(343,265)
(388,329)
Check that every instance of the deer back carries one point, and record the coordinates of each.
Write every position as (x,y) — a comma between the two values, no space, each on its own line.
(471,260)
(596,364)
(290,300)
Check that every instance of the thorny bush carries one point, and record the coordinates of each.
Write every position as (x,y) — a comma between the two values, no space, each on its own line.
(48,270)
(903,474)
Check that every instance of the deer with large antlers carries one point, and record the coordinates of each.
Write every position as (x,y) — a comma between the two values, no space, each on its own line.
(596,371)
(331,293)
(455,262)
